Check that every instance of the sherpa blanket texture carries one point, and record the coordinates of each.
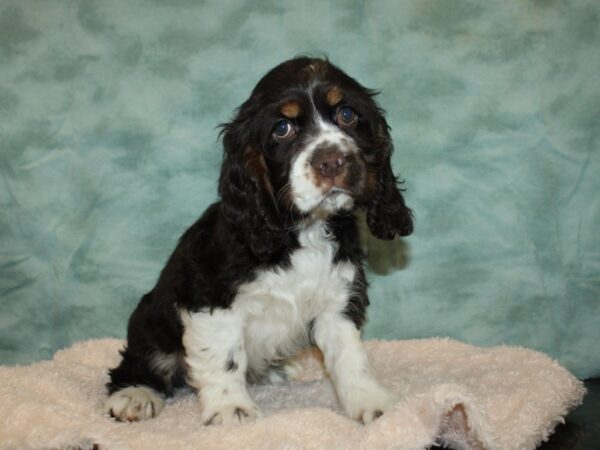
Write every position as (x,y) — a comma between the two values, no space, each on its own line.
(459,395)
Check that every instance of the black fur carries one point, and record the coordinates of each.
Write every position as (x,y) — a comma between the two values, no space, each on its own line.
(253,226)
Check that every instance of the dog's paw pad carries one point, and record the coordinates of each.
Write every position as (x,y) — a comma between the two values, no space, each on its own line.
(134,403)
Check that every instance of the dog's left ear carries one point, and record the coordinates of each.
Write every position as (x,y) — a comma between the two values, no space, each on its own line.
(387,214)
(247,196)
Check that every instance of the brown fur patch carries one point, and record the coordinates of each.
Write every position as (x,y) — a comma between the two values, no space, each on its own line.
(255,164)
(334,96)
(371,184)
(256,167)
(291,110)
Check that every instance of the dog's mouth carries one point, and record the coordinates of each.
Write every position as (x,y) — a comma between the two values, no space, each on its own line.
(336,199)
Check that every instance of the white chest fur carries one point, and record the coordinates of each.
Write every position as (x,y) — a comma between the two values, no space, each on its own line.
(268,321)
(277,306)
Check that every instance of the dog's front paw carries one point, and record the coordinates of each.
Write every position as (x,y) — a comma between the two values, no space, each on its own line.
(230,414)
(134,403)
(368,404)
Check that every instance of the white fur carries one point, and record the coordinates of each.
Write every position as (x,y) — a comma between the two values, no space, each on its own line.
(359,393)
(134,403)
(165,364)
(211,340)
(288,370)
(305,192)
(268,321)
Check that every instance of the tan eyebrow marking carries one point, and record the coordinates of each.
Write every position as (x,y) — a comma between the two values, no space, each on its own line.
(334,96)
(291,109)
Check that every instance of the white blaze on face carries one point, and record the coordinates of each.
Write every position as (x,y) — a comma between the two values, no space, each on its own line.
(307,195)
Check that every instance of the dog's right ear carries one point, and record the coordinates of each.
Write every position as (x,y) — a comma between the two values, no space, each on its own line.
(247,196)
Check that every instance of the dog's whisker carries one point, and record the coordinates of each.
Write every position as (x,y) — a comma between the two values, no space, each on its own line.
(284,198)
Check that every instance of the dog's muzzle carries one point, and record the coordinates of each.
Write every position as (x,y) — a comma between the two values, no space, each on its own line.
(327,175)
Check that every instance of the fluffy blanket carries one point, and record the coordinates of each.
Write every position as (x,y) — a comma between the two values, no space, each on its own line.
(454,394)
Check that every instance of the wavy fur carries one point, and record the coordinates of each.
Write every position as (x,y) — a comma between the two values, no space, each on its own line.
(261,273)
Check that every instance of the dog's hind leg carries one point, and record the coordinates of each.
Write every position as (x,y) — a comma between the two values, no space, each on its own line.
(138,386)
(134,403)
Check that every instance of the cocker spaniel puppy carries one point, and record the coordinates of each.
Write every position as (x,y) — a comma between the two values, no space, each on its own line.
(275,265)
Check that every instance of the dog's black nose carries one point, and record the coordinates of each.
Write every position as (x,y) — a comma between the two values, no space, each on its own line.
(328,162)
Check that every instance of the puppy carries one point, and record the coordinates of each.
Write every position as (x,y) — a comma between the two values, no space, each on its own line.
(275,265)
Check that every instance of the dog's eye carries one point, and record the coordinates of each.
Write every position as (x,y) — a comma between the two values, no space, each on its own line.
(346,117)
(283,130)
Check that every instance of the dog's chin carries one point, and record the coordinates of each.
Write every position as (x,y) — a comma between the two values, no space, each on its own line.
(334,201)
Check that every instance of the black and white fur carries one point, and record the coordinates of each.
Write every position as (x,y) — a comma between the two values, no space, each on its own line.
(275,265)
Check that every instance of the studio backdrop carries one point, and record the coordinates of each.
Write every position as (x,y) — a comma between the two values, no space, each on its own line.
(109,150)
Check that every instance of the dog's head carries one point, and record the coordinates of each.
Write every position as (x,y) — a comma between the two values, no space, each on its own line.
(308,143)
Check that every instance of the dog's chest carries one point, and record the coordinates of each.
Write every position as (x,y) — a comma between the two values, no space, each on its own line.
(278,305)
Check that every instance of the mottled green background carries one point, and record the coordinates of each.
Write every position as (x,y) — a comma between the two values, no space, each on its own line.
(108,151)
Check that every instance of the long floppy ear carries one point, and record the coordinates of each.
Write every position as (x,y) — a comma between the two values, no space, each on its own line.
(387,214)
(246,193)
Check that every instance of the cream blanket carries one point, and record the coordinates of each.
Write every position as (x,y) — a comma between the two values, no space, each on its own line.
(463,396)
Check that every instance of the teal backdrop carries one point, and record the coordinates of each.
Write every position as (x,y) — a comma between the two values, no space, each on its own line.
(109,150)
